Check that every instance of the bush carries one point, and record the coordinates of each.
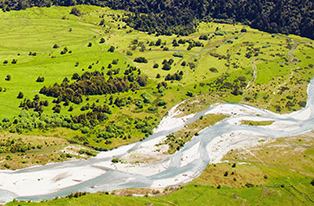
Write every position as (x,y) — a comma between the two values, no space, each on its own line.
(102,40)
(129,53)
(161,103)
(8,78)
(166,67)
(85,130)
(115,160)
(111,49)
(249,185)
(140,60)
(20,95)
(75,11)
(40,79)
(177,54)
(214,70)
(190,94)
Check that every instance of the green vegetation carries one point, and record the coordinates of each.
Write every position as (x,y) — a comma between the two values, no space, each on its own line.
(178,139)
(256,123)
(87,85)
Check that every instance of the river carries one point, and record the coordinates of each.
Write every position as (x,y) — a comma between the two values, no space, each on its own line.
(98,173)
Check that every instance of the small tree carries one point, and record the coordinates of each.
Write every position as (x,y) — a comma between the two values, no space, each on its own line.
(166,67)
(20,95)
(40,79)
(102,40)
(8,78)
(111,49)
(89,44)
(75,11)
(55,46)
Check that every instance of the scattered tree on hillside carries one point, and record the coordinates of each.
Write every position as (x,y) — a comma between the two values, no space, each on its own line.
(111,49)
(75,11)
(8,77)
(20,95)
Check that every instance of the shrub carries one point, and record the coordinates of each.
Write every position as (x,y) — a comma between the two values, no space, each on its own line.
(102,40)
(8,78)
(214,70)
(249,185)
(190,94)
(177,54)
(140,60)
(111,49)
(161,103)
(40,79)
(75,11)
(166,67)
(115,160)
(20,95)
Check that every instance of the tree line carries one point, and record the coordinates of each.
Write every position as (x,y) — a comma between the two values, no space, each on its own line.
(179,17)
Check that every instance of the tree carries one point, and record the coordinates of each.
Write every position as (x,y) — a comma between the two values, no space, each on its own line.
(166,67)
(8,78)
(140,60)
(20,95)
(75,11)
(40,79)
(89,44)
(102,40)
(142,80)
(158,42)
(111,49)
(75,76)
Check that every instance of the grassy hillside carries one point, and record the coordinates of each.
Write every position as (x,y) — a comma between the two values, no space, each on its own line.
(44,47)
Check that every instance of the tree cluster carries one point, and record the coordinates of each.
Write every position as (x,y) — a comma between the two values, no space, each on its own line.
(92,83)
(179,17)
